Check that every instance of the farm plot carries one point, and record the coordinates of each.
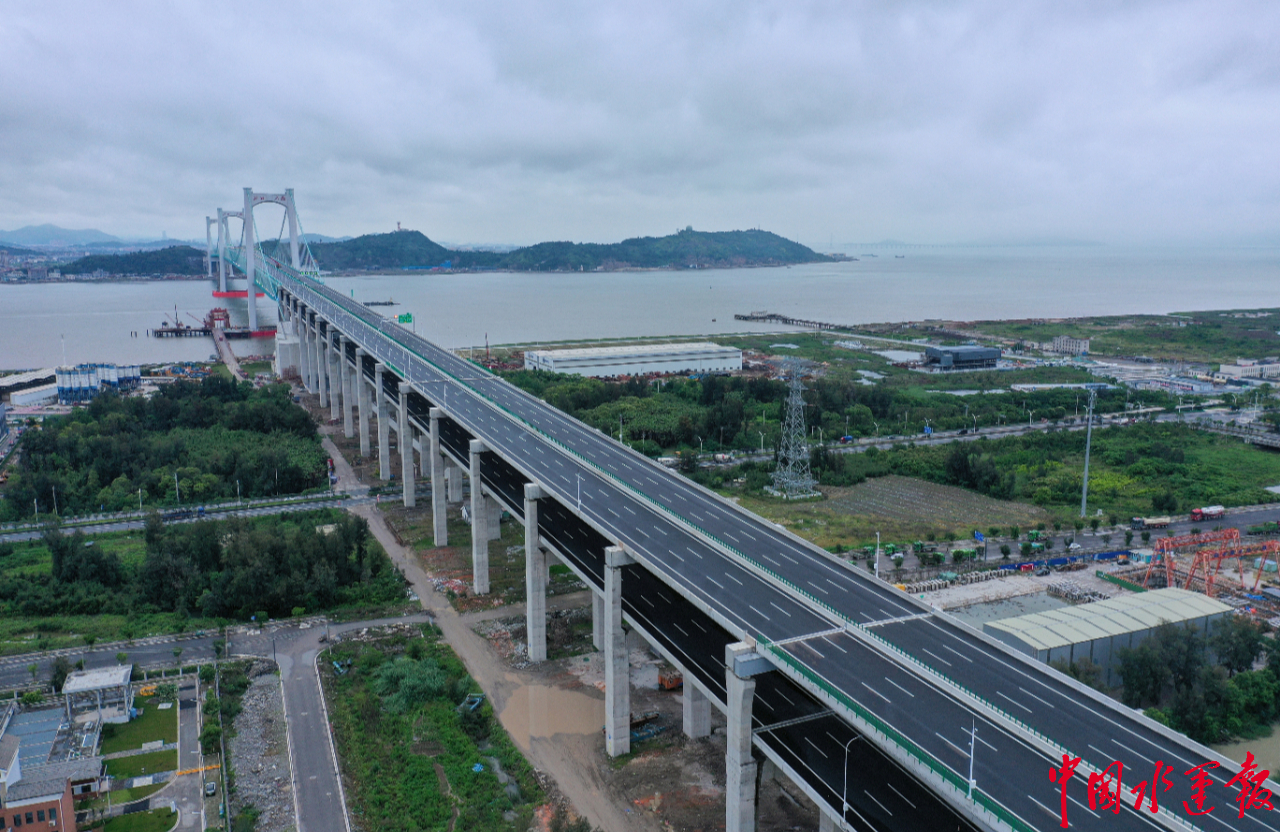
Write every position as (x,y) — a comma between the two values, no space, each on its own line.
(900,508)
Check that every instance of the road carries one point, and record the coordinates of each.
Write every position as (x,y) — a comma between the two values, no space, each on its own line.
(752,579)
(186,789)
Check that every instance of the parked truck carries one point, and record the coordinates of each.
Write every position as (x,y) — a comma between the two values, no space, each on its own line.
(1141,523)
(1207,513)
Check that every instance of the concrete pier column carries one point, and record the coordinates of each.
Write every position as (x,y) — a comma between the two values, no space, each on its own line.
(740,768)
(362,399)
(335,375)
(597,620)
(404,436)
(493,513)
(304,353)
(617,670)
(321,359)
(697,710)
(535,577)
(384,426)
(826,823)
(453,481)
(479,524)
(439,519)
(348,390)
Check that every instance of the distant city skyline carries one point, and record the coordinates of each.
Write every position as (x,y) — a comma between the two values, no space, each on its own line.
(1140,123)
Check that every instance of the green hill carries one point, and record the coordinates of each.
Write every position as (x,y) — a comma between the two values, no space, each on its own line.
(172,260)
(688,248)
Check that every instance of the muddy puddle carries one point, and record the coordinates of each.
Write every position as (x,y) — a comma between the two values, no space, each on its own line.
(543,711)
(1266,750)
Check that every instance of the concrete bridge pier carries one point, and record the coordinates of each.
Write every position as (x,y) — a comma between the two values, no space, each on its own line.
(333,343)
(304,352)
(362,401)
(826,823)
(617,669)
(535,576)
(322,363)
(597,620)
(384,425)
(439,518)
(452,481)
(404,436)
(697,710)
(740,767)
(486,515)
(348,389)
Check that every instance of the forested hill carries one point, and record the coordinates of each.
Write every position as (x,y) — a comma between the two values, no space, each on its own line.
(172,260)
(688,248)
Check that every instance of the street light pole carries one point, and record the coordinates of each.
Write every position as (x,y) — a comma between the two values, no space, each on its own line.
(973,740)
(844,798)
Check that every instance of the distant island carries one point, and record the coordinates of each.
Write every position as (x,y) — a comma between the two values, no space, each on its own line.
(684,250)
(412,250)
(179,259)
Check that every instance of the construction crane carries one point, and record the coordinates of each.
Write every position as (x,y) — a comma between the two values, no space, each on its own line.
(1166,547)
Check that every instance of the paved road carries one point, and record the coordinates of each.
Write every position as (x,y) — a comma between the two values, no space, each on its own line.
(185,791)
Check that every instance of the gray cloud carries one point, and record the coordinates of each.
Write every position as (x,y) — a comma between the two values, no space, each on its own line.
(578,120)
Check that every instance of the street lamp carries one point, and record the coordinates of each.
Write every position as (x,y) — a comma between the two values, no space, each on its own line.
(761,440)
(973,739)
(579,493)
(844,799)
(1030,413)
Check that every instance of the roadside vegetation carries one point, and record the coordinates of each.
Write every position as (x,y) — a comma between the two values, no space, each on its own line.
(71,589)
(717,413)
(153,724)
(414,755)
(189,443)
(1212,695)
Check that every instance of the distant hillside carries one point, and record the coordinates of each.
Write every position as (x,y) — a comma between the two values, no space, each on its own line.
(15,250)
(52,235)
(689,248)
(171,260)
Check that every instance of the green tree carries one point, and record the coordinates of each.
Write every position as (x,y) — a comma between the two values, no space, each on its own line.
(61,670)
(1237,642)
(121,658)
(1005,551)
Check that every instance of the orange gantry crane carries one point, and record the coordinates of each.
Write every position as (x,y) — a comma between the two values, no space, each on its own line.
(1166,547)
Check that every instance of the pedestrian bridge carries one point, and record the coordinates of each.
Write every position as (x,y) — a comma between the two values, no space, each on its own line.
(888,714)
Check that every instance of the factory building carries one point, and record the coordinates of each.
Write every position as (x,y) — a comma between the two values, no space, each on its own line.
(1067,345)
(1099,631)
(961,358)
(84,381)
(19,382)
(611,362)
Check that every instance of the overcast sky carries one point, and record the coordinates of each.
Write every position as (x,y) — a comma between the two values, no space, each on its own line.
(481,121)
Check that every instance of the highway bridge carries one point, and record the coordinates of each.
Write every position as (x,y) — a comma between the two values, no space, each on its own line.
(888,714)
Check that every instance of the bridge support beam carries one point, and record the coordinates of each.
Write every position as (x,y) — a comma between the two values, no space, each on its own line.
(349,382)
(335,373)
(404,435)
(362,400)
(482,507)
(697,710)
(384,425)
(740,768)
(250,253)
(617,675)
(535,577)
(453,481)
(826,823)
(597,620)
(439,518)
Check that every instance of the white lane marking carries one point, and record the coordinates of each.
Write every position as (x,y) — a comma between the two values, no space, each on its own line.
(900,687)
(958,653)
(877,693)
(815,747)
(681,629)
(936,656)
(714,581)
(780,609)
(899,794)
(1131,751)
(957,748)
(784,696)
(1086,808)
(1052,813)
(689,549)
(1038,699)
(729,575)
(753,609)
(748,534)
(833,644)
(731,537)
(878,803)
(628,508)
(815,586)
(1014,701)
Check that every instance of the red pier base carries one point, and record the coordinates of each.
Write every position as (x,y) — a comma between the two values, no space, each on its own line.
(263,333)
(241,293)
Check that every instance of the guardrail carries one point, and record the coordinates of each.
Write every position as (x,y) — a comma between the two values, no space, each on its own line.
(210,508)
(1120,582)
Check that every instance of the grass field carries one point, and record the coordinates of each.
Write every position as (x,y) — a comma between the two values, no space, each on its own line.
(140,764)
(157,820)
(154,724)
(120,796)
(901,509)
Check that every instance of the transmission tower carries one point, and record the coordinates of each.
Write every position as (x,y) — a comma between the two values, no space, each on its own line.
(793,477)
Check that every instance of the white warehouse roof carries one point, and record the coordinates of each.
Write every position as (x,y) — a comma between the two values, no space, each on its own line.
(1113,617)
(637,359)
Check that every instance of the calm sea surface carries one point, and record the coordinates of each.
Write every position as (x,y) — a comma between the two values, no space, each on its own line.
(459,310)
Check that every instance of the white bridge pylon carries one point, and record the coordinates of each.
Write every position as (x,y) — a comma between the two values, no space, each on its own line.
(251,200)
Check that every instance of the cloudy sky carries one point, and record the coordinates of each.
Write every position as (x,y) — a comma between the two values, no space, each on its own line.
(479,121)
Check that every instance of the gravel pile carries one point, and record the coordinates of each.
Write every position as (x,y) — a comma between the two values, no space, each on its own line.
(260,753)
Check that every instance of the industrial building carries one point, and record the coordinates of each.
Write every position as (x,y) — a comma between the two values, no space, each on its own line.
(84,381)
(20,382)
(961,358)
(1099,631)
(1067,345)
(611,362)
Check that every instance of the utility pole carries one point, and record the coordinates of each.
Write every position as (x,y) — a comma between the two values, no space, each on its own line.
(973,740)
(1088,443)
